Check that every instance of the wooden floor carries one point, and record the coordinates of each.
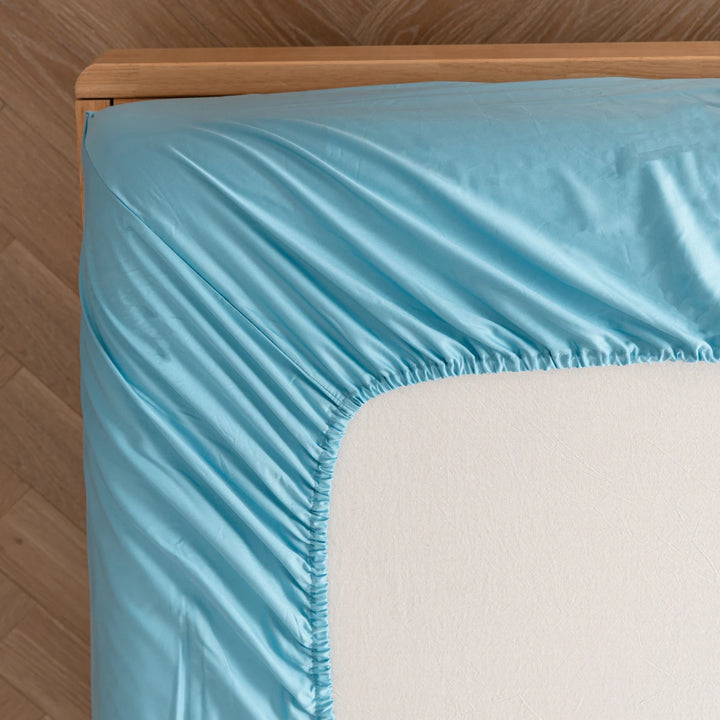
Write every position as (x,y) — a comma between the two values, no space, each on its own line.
(44,636)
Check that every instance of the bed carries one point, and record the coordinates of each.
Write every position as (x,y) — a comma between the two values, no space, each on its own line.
(287,235)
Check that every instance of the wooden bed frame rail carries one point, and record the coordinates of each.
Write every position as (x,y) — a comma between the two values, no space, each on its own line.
(121,76)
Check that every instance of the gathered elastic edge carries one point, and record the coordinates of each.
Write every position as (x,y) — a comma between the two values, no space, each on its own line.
(344,410)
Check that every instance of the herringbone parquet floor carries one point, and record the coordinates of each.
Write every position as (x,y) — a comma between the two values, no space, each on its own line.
(44,634)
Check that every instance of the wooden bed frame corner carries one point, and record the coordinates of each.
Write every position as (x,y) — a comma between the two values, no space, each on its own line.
(121,76)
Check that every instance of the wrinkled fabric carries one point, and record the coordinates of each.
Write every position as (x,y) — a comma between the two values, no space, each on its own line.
(256,268)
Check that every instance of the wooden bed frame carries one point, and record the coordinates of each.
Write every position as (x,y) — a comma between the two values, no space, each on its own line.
(121,76)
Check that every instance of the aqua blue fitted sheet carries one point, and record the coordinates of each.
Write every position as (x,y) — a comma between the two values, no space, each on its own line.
(256,268)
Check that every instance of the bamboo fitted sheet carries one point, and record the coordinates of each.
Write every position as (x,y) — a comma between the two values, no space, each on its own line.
(254,269)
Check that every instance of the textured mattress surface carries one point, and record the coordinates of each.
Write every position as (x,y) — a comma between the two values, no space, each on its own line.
(255,269)
(527,545)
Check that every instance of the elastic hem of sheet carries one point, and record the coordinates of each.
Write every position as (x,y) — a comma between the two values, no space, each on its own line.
(410,375)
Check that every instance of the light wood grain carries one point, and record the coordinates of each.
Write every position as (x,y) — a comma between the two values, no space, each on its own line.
(12,488)
(49,665)
(35,68)
(14,605)
(41,442)
(8,366)
(229,71)
(38,197)
(5,237)
(560,21)
(15,706)
(44,553)
(41,322)
(280,22)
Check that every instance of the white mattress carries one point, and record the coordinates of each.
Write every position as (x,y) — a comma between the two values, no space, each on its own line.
(536,545)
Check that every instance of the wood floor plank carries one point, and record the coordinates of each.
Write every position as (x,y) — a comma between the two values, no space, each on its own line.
(12,488)
(40,322)
(5,235)
(390,22)
(15,706)
(38,73)
(14,605)
(41,442)
(48,665)
(42,552)
(35,47)
(93,26)
(47,120)
(40,207)
(269,22)
(8,365)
